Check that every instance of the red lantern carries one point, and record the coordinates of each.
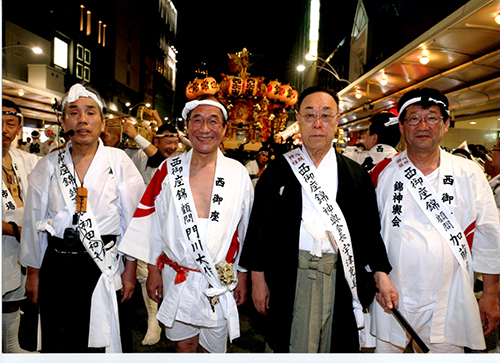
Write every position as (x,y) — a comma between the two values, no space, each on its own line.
(273,90)
(190,92)
(235,86)
(250,87)
(285,93)
(209,86)
(293,99)
(197,90)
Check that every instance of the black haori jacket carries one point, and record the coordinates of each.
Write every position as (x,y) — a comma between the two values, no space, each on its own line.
(272,245)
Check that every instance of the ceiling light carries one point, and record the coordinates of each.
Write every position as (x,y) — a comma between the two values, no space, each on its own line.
(301,67)
(424,60)
(166,118)
(497,19)
(37,50)
(128,104)
(473,123)
(383,81)
(148,104)
(358,94)
(21,92)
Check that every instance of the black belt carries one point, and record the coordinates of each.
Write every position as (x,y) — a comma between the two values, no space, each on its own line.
(61,246)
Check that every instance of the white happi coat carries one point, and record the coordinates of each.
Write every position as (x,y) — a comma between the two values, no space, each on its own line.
(370,158)
(114,189)
(157,228)
(140,160)
(22,163)
(425,272)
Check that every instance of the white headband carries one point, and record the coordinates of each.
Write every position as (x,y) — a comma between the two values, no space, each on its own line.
(77,91)
(418,99)
(392,121)
(191,105)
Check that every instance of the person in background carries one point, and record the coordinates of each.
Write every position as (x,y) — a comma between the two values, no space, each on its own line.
(256,167)
(381,140)
(37,147)
(166,142)
(16,167)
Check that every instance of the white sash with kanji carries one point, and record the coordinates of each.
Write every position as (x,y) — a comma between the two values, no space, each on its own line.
(178,174)
(327,207)
(435,210)
(10,211)
(104,322)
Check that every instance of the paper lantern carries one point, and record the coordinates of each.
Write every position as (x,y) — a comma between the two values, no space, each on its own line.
(197,89)
(273,90)
(235,86)
(250,87)
(285,93)
(293,99)
(190,92)
(209,86)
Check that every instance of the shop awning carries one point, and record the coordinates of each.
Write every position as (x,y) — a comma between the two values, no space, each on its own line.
(464,63)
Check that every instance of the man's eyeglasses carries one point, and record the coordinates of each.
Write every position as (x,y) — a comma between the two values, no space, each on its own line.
(325,118)
(493,149)
(213,123)
(429,120)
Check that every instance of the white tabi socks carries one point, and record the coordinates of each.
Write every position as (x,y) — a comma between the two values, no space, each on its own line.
(10,330)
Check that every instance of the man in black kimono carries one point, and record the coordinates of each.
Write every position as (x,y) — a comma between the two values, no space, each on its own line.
(313,244)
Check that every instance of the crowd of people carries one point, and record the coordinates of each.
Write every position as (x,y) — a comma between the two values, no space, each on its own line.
(325,245)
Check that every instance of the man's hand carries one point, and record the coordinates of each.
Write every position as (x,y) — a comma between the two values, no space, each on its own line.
(241,291)
(387,295)
(154,283)
(32,284)
(8,230)
(129,280)
(260,292)
(157,117)
(129,129)
(488,304)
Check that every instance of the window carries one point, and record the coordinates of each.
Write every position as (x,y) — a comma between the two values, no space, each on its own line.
(60,53)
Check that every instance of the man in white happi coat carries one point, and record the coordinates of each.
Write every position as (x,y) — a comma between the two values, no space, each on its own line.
(191,224)
(439,224)
(16,166)
(166,143)
(79,203)
(381,140)
(492,168)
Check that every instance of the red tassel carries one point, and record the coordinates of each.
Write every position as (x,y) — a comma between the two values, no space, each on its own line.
(180,277)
